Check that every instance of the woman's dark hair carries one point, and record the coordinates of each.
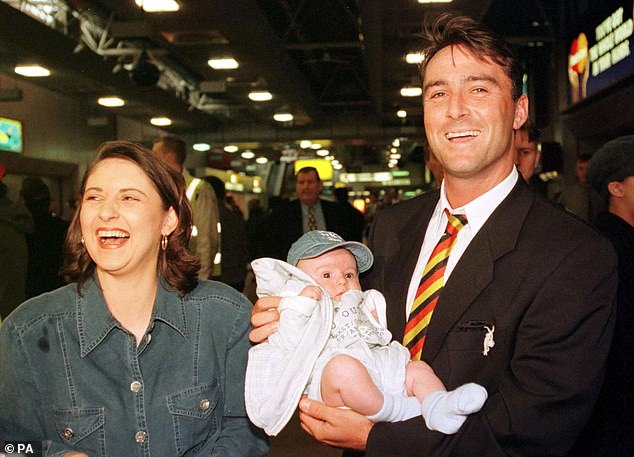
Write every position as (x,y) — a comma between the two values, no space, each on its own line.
(177,267)
(463,31)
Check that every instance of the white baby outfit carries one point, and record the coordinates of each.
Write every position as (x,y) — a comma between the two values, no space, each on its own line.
(310,333)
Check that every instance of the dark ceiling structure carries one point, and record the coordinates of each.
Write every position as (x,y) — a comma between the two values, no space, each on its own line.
(336,65)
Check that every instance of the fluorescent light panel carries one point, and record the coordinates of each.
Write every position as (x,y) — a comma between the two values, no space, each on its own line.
(158,6)
(260,95)
(111,102)
(411,91)
(201,147)
(161,121)
(223,63)
(283,117)
(32,71)
(414,58)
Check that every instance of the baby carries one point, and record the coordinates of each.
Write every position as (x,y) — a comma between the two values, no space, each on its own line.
(355,365)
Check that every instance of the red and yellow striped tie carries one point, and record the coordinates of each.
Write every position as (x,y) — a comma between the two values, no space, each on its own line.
(430,286)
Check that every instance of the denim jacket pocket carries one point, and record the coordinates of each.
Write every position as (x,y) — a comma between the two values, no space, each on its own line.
(193,415)
(82,429)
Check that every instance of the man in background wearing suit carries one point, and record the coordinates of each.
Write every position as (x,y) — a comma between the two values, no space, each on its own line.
(526,309)
(292,219)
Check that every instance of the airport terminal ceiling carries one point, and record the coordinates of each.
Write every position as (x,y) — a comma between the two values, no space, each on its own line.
(338,66)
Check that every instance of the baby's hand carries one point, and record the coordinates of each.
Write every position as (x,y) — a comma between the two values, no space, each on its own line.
(313,292)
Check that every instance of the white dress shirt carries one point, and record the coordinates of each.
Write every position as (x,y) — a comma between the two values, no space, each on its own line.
(477,212)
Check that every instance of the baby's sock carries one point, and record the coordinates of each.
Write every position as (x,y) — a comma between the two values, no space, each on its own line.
(447,411)
(397,408)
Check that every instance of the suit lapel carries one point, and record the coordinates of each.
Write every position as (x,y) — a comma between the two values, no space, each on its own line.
(410,238)
(475,270)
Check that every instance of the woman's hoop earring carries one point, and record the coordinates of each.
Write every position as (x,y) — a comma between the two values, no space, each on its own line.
(82,241)
(164,242)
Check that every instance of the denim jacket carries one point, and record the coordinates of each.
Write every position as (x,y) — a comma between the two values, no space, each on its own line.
(72,377)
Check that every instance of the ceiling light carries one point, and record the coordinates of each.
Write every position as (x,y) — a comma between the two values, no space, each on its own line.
(323,152)
(337,166)
(396,143)
(247,155)
(411,91)
(261,160)
(260,95)
(315,146)
(402,114)
(161,121)
(111,102)
(231,148)
(435,1)
(283,117)
(330,158)
(305,144)
(414,58)
(158,6)
(395,156)
(225,63)
(201,147)
(32,71)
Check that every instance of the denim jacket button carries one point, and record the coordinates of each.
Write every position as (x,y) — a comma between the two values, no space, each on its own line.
(68,433)
(136,386)
(203,405)
(140,436)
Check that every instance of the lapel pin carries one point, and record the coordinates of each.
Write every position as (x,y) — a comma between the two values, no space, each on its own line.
(488,340)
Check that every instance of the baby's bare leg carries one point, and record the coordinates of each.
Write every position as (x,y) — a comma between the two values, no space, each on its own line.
(346,382)
(420,379)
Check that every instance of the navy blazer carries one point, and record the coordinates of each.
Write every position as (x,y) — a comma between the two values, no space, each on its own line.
(547,282)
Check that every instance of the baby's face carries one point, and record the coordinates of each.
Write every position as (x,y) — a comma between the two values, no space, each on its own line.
(335,271)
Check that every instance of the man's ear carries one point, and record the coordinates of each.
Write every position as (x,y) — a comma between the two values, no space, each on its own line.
(615,188)
(170,222)
(521,112)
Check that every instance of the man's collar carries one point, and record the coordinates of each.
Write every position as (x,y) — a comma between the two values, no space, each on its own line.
(95,322)
(479,209)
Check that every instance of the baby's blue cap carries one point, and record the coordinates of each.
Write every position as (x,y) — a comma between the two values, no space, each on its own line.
(317,242)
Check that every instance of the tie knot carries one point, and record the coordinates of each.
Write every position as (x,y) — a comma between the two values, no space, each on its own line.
(457,220)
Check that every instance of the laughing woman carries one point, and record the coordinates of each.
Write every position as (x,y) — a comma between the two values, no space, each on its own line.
(134,357)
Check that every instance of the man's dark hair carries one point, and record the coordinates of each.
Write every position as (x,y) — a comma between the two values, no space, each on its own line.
(584,157)
(308,170)
(463,31)
(218,186)
(36,195)
(533,132)
(174,145)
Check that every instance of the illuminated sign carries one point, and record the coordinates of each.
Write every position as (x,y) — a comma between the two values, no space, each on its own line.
(601,53)
(10,135)
(323,166)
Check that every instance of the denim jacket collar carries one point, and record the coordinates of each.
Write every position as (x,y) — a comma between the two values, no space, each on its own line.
(95,322)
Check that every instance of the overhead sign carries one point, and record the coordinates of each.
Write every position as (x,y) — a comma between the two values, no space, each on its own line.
(601,54)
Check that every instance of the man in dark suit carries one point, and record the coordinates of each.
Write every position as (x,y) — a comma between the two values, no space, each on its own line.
(290,220)
(527,304)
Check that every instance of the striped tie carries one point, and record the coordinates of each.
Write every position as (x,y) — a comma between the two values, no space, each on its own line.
(430,287)
(312,220)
